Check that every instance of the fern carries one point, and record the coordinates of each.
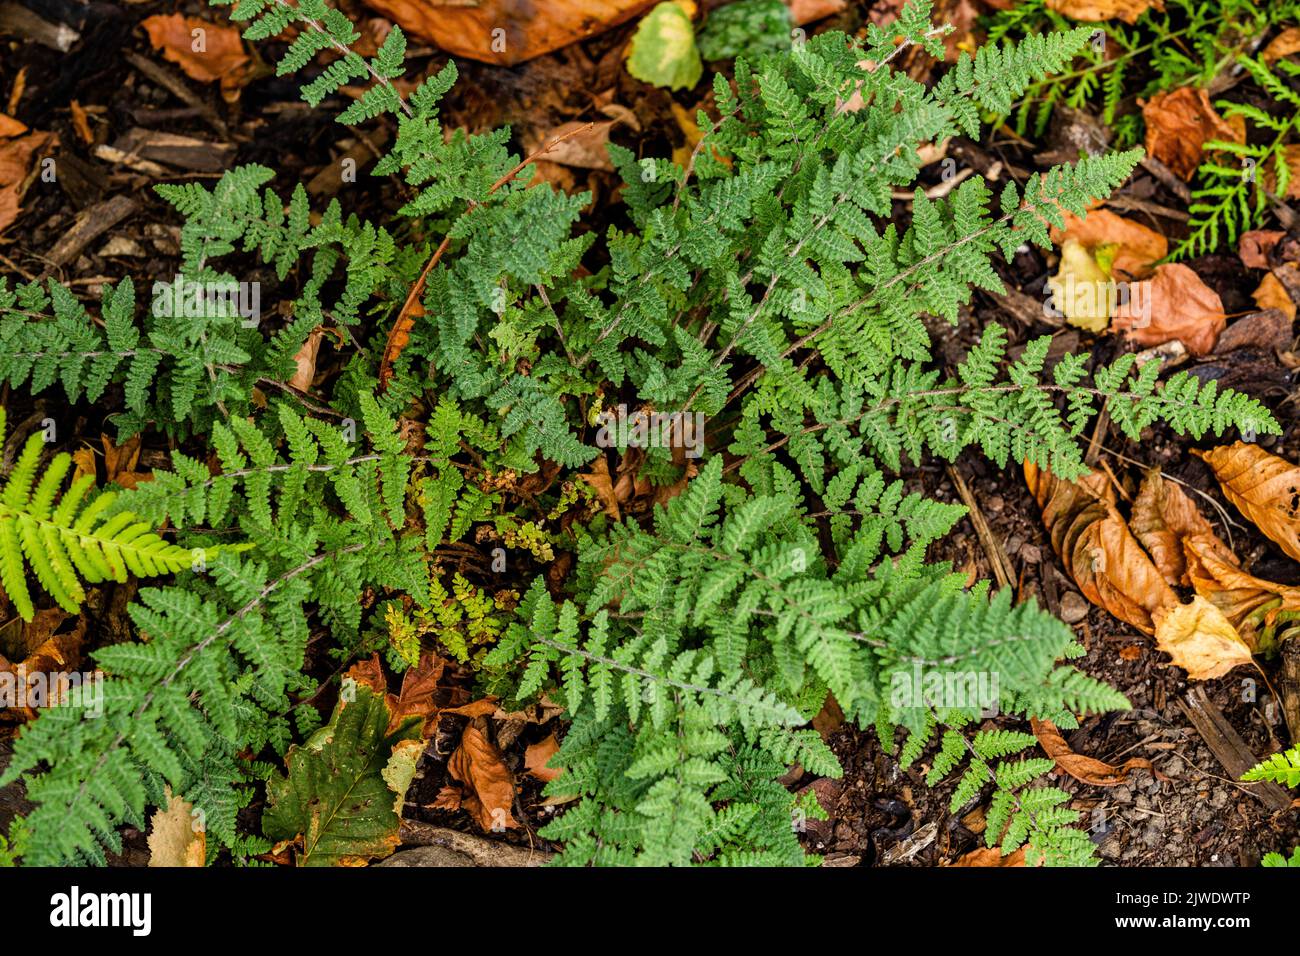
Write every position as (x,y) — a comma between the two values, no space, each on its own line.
(1283,768)
(66,538)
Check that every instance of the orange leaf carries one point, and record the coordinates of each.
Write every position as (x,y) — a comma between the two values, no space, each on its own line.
(305,360)
(206,51)
(1131,247)
(487,789)
(1179,124)
(1087,770)
(1096,10)
(536,757)
(986,857)
(1272,294)
(15,158)
(1163,516)
(1175,304)
(1263,487)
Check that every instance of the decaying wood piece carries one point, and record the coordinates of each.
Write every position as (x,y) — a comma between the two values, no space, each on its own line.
(482,851)
(1288,685)
(1228,747)
(89,226)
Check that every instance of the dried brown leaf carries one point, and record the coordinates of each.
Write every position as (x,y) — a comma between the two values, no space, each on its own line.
(1163,515)
(1272,294)
(1179,124)
(1174,304)
(1097,10)
(1263,487)
(175,838)
(1085,769)
(536,757)
(1130,248)
(1097,548)
(204,50)
(487,789)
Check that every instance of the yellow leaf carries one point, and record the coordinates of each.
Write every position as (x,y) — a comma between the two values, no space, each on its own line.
(176,836)
(1081,288)
(1200,639)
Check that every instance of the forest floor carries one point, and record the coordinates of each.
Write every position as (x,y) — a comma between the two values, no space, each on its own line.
(125,118)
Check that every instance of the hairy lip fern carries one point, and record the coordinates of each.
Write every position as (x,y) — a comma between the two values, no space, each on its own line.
(765,284)
(66,538)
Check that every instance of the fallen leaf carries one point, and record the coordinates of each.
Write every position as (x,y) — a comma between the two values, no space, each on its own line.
(1200,639)
(1272,294)
(417,697)
(1097,10)
(305,360)
(1284,44)
(487,790)
(536,757)
(1263,487)
(204,50)
(602,483)
(581,145)
(1255,245)
(1175,304)
(175,836)
(1089,770)
(1179,124)
(507,32)
(1163,516)
(1251,605)
(983,856)
(1130,247)
(1130,652)
(120,462)
(10,126)
(663,51)
(1097,548)
(806,11)
(15,159)
(1081,288)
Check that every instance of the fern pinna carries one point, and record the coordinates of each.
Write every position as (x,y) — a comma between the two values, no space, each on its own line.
(762,284)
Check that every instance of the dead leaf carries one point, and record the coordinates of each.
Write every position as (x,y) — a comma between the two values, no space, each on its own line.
(305,360)
(1097,10)
(1097,548)
(806,11)
(417,697)
(507,32)
(120,462)
(10,126)
(1081,288)
(1089,770)
(1272,294)
(1251,605)
(983,856)
(536,757)
(1130,652)
(1179,124)
(487,790)
(15,159)
(602,483)
(1200,639)
(581,145)
(1254,246)
(1263,487)
(1175,304)
(1130,248)
(1284,44)
(175,838)
(204,50)
(1163,516)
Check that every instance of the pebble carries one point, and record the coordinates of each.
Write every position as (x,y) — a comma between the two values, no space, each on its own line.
(1073,607)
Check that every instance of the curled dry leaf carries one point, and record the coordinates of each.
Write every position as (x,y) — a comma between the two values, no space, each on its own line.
(175,838)
(1251,605)
(1097,10)
(1200,639)
(1179,124)
(982,856)
(1163,518)
(1174,304)
(507,32)
(1263,487)
(1097,548)
(1087,770)
(206,51)
(305,362)
(487,790)
(1123,248)
(603,484)
(1284,44)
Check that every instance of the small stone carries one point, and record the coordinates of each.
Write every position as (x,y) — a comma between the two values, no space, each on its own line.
(122,246)
(1030,553)
(1174,766)
(994,504)
(1073,607)
(1122,794)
